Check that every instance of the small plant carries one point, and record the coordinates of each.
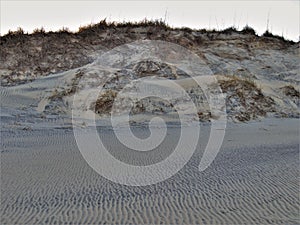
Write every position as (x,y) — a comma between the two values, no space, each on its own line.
(39,31)
(65,30)
(244,99)
(18,32)
(229,30)
(270,35)
(248,30)
(103,24)
(292,93)
(104,103)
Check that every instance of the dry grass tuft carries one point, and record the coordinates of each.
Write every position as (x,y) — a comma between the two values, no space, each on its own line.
(268,34)
(244,100)
(67,91)
(290,91)
(104,25)
(104,103)
(248,30)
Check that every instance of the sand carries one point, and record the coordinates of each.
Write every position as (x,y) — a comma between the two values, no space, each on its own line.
(253,180)
(44,178)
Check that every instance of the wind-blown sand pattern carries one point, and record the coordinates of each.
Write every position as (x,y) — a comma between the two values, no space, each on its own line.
(253,180)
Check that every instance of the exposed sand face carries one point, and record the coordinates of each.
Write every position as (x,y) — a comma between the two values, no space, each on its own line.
(44,178)
(269,88)
(253,180)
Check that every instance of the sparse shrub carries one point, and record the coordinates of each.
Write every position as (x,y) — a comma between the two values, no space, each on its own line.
(102,25)
(270,35)
(65,30)
(39,31)
(291,93)
(248,30)
(18,32)
(17,35)
(93,28)
(105,102)
(229,30)
(244,99)
(186,29)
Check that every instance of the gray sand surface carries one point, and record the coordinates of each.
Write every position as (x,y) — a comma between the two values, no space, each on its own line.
(253,180)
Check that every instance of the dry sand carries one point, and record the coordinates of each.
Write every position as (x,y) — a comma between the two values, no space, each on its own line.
(253,180)
(44,178)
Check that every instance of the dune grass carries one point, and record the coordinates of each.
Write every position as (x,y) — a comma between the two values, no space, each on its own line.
(158,25)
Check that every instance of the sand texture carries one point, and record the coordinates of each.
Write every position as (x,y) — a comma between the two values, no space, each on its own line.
(48,79)
(253,180)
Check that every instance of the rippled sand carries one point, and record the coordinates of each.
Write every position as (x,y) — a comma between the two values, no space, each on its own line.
(253,180)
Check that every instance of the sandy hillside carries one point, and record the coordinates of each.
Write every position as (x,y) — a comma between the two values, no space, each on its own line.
(46,78)
(258,75)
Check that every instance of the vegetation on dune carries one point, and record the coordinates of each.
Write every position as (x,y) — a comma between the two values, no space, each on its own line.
(25,57)
(269,34)
(159,25)
(291,93)
(104,103)
(67,90)
(248,30)
(244,99)
(289,90)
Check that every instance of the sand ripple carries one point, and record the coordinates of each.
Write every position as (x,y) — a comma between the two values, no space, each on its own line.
(45,180)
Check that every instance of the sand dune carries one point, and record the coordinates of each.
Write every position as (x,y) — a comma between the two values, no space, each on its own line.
(44,178)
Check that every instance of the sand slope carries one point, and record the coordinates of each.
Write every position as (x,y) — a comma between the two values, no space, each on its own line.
(45,179)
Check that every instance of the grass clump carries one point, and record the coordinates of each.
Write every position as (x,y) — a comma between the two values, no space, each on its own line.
(291,93)
(39,31)
(104,103)
(104,25)
(18,32)
(289,90)
(248,30)
(244,99)
(229,30)
(268,34)
(68,90)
